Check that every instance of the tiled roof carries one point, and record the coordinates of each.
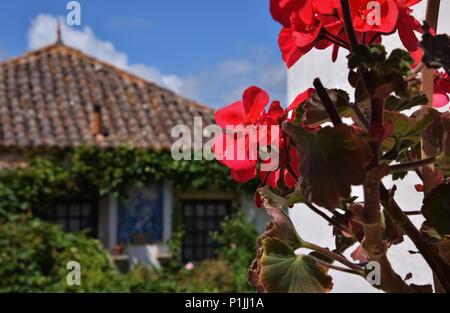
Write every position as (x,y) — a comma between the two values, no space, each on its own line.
(47,98)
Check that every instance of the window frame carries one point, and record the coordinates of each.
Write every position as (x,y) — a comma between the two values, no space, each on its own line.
(207,247)
(51,214)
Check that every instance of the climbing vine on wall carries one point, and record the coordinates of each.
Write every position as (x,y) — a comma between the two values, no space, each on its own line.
(92,171)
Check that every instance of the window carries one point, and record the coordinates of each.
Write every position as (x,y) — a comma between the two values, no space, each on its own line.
(201,217)
(73,216)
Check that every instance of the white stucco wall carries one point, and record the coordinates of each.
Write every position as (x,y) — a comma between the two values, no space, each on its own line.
(313,228)
(257,216)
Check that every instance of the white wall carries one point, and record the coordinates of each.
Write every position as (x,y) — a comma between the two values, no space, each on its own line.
(257,216)
(313,228)
(107,222)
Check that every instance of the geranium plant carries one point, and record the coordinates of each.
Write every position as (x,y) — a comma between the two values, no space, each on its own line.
(320,157)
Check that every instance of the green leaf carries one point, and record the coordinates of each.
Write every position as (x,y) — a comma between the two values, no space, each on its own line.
(407,130)
(436,208)
(280,270)
(438,137)
(410,127)
(281,227)
(394,103)
(278,201)
(385,74)
(342,242)
(399,61)
(444,248)
(366,56)
(333,159)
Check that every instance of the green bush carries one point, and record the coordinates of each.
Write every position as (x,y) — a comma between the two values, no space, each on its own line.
(34,255)
(206,276)
(238,244)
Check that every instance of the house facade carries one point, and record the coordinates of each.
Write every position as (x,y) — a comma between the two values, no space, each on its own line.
(58,98)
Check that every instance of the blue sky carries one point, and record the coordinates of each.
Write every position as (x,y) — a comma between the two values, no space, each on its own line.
(206,49)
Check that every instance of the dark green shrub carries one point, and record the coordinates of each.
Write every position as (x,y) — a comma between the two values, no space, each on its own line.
(238,241)
(34,255)
(206,276)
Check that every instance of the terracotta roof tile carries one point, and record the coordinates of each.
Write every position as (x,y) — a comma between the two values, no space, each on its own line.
(47,96)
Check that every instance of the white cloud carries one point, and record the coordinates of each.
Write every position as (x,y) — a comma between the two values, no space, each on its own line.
(43,32)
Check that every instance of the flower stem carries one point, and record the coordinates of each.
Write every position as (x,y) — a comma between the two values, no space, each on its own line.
(329,219)
(335,39)
(332,255)
(339,268)
(365,123)
(327,103)
(411,165)
(348,23)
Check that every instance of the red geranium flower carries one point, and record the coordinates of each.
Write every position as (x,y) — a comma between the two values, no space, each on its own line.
(282,10)
(288,172)
(246,113)
(256,135)
(441,90)
(298,39)
(290,51)
(363,13)
(407,24)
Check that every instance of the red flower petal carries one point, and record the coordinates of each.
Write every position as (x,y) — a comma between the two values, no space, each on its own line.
(306,12)
(416,56)
(325,7)
(228,151)
(244,175)
(407,3)
(300,99)
(389,21)
(289,180)
(255,100)
(276,112)
(305,38)
(440,100)
(406,26)
(232,114)
(360,11)
(281,10)
(290,51)
(273,178)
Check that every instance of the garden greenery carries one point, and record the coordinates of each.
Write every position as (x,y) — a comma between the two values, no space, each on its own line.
(34,255)
(92,171)
(237,241)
